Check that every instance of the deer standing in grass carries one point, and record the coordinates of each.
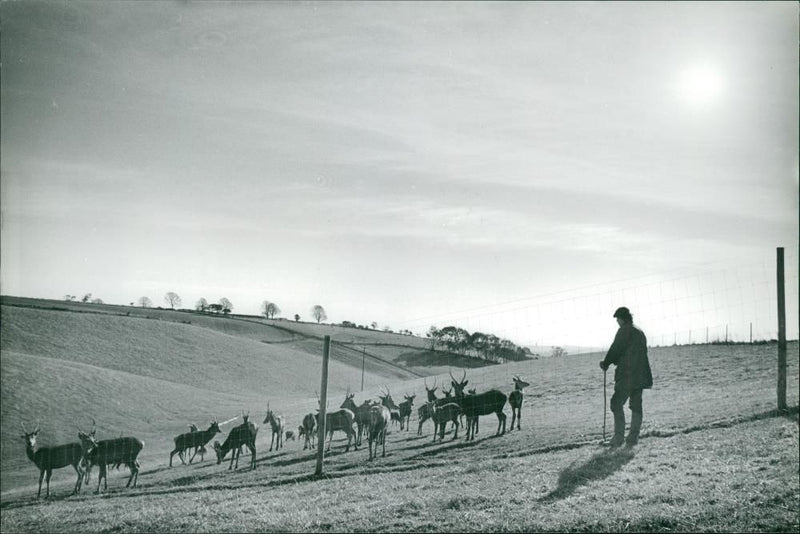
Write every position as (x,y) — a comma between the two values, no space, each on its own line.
(49,458)
(379,418)
(307,431)
(425,411)
(473,406)
(405,411)
(394,410)
(515,400)
(195,439)
(361,414)
(340,420)
(441,415)
(276,423)
(242,435)
(105,452)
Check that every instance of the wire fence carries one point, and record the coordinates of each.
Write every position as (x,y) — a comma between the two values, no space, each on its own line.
(723,301)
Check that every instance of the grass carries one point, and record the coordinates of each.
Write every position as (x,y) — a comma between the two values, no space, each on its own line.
(715,456)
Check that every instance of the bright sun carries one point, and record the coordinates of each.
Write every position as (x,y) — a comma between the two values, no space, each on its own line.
(701,84)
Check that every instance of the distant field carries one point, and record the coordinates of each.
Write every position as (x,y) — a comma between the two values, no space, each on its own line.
(714,455)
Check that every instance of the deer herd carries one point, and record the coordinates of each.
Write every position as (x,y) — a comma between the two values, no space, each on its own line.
(372,418)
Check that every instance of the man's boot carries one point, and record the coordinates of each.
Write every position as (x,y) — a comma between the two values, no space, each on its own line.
(636,425)
(619,429)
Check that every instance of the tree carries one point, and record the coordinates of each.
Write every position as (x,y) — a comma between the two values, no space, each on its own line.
(318,313)
(374,325)
(201,305)
(97,301)
(558,351)
(69,298)
(227,306)
(172,299)
(215,308)
(296,317)
(269,309)
(87,297)
(433,335)
(145,302)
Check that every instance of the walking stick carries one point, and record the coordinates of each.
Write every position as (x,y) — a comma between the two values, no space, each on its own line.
(605,409)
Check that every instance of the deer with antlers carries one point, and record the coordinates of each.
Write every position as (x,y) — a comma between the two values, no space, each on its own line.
(405,408)
(239,436)
(196,439)
(276,423)
(515,400)
(361,414)
(105,452)
(394,409)
(473,406)
(49,458)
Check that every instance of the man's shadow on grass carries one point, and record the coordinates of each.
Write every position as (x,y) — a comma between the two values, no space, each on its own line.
(599,466)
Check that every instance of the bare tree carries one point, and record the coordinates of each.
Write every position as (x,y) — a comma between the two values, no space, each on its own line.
(227,306)
(269,309)
(201,305)
(172,299)
(318,313)
(145,302)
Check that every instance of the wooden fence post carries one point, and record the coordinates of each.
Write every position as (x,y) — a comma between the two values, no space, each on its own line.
(323,399)
(781,334)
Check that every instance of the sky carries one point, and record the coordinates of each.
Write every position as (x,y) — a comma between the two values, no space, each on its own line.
(518,168)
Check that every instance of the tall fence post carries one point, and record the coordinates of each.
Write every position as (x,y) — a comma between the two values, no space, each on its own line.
(781,334)
(323,399)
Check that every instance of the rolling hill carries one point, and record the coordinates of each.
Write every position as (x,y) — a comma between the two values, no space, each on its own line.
(150,372)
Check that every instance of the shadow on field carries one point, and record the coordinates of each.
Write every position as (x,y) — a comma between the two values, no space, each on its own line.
(599,466)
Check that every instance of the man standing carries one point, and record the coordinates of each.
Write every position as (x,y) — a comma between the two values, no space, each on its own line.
(629,354)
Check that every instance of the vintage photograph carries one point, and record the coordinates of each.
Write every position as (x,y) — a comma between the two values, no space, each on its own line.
(399,266)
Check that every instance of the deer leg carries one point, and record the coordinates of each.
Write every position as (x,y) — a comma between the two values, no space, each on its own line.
(80,479)
(41,476)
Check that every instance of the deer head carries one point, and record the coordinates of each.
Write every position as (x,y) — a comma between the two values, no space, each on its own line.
(519,384)
(459,385)
(431,391)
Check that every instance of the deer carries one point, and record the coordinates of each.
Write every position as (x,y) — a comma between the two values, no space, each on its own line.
(394,410)
(242,435)
(474,406)
(196,439)
(425,411)
(405,411)
(379,418)
(441,415)
(276,423)
(361,413)
(515,400)
(105,452)
(307,430)
(49,458)
(340,420)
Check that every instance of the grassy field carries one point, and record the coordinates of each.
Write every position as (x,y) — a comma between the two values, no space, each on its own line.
(714,455)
